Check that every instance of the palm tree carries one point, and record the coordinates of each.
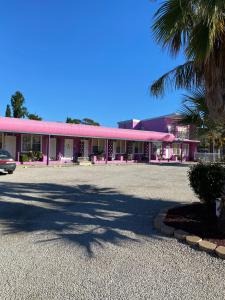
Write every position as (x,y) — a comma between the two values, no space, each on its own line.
(195,112)
(196,27)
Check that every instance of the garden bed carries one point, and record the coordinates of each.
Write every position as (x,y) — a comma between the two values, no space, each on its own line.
(195,220)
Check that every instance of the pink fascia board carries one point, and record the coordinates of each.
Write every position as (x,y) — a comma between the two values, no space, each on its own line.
(13,125)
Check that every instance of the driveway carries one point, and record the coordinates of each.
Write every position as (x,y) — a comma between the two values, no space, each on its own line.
(86,233)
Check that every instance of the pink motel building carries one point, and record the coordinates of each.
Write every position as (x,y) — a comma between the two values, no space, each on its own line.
(150,140)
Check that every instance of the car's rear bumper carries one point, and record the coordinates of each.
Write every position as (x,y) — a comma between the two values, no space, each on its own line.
(7,167)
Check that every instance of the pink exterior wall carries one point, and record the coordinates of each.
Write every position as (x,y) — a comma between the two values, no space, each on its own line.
(161,125)
(193,149)
(76,147)
(18,146)
(158,124)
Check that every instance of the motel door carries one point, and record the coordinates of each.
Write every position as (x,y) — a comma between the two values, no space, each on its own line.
(86,145)
(10,145)
(114,150)
(167,152)
(68,149)
(52,149)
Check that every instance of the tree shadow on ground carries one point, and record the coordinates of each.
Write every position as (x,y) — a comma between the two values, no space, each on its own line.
(85,215)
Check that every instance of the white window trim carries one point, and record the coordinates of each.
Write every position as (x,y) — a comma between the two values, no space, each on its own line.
(157,147)
(178,148)
(32,135)
(98,144)
(120,147)
(143,149)
(187,148)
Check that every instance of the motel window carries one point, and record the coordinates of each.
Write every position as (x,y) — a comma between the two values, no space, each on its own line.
(176,149)
(98,146)
(36,143)
(185,149)
(31,143)
(156,148)
(120,147)
(182,132)
(138,147)
(94,145)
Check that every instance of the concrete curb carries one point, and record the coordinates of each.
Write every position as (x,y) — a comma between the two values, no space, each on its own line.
(191,240)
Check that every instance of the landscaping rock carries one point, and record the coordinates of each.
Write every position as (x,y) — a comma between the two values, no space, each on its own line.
(220,251)
(207,246)
(193,239)
(168,230)
(180,234)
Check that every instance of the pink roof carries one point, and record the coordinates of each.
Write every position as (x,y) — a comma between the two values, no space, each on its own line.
(64,129)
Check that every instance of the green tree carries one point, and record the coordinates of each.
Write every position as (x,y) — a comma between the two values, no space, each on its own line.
(85,121)
(18,108)
(8,112)
(196,28)
(34,117)
(73,121)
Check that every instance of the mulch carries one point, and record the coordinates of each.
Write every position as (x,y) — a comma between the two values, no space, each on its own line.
(195,219)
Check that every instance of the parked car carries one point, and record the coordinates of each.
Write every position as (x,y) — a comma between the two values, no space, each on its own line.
(7,163)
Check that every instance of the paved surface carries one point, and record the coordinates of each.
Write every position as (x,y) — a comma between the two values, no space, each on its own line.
(86,233)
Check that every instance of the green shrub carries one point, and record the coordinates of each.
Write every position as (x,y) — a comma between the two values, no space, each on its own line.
(24,158)
(37,156)
(31,156)
(207,181)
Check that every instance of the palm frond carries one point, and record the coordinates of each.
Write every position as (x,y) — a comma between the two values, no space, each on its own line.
(171,22)
(189,116)
(184,76)
(194,109)
(196,27)
(196,100)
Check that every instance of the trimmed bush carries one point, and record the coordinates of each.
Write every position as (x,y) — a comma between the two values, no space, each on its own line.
(31,156)
(207,181)
(37,156)
(24,158)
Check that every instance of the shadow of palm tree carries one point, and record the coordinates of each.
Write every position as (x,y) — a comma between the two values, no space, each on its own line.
(85,215)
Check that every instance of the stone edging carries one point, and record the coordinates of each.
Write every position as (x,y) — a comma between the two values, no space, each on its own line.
(185,236)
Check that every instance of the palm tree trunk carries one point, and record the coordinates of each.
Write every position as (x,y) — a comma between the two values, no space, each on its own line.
(215,99)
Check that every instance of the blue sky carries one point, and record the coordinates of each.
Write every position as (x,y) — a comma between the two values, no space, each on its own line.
(83,58)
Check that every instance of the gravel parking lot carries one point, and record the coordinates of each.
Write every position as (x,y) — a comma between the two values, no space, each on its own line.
(86,233)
